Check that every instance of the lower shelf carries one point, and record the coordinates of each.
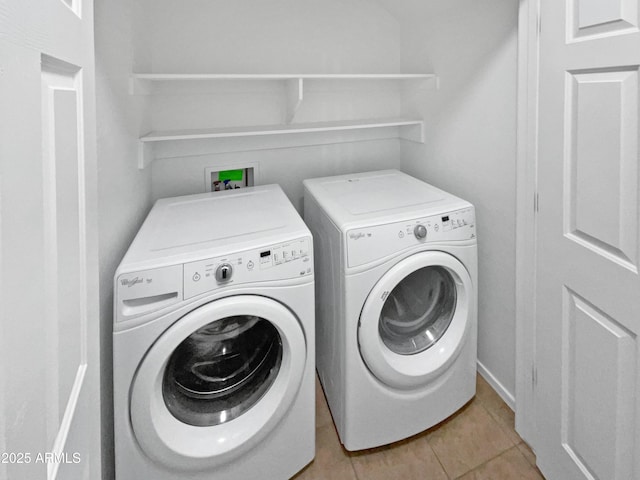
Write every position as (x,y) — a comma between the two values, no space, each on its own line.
(411,129)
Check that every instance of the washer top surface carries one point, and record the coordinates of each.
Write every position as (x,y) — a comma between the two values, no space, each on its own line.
(378,197)
(183,229)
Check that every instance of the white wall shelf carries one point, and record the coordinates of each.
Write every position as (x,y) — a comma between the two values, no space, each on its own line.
(278,76)
(142,83)
(169,77)
(409,129)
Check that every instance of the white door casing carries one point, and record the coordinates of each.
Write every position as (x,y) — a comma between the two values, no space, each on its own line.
(50,410)
(587,288)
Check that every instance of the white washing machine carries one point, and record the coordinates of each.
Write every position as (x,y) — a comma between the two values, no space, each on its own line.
(213,343)
(396,322)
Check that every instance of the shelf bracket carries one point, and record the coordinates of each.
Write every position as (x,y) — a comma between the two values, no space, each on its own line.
(295,95)
(145,154)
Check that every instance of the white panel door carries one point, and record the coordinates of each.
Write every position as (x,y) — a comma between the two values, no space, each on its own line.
(587,394)
(49,346)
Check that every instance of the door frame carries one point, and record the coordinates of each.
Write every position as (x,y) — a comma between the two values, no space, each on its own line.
(526,221)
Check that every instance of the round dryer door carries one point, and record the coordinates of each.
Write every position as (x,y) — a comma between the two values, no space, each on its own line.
(217,381)
(414,321)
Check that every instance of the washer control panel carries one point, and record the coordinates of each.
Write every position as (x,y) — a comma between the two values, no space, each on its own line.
(139,293)
(280,261)
(368,244)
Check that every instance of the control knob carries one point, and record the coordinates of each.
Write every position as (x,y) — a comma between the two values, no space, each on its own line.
(420,231)
(224,272)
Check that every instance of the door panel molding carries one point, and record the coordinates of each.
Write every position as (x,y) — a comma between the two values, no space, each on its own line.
(74,5)
(65,247)
(602,446)
(601,154)
(590,19)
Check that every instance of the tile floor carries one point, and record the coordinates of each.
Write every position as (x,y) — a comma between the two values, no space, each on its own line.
(477,443)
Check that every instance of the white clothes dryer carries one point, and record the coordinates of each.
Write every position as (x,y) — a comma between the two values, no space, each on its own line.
(396,295)
(213,343)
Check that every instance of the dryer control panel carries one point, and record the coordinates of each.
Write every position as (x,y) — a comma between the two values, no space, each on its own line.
(275,262)
(368,244)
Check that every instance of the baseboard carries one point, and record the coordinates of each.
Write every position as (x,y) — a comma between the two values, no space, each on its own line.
(507,396)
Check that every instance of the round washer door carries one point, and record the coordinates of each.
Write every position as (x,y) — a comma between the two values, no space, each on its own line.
(414,321)
(217,381)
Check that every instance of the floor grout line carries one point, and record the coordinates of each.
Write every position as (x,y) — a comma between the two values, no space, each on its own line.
(503,429)
(353,467)
(485,462)
(439,461)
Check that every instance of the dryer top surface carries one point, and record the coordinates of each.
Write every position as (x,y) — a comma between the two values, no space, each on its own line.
(378,197)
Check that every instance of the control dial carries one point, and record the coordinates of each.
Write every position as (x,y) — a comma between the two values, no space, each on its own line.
(224,272)
(420,231)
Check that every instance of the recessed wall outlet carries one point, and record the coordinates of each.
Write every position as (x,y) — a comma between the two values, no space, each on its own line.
(217,179)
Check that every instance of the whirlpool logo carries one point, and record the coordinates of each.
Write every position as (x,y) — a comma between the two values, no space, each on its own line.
(130,282)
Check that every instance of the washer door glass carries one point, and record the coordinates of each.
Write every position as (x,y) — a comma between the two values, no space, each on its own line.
(418,310)
(221,370)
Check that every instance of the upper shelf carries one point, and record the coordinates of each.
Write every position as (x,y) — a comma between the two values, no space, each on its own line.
(160,77)
(140,82)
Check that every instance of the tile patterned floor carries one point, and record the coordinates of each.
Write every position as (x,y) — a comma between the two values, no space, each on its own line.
(477,443)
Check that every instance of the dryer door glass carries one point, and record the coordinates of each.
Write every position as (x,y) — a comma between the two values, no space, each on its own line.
(222,370)
(418,310)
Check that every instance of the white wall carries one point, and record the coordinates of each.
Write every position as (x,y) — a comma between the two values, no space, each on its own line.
(284,166)
(124,191)
(471,145)
(471,120)
(279,36)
